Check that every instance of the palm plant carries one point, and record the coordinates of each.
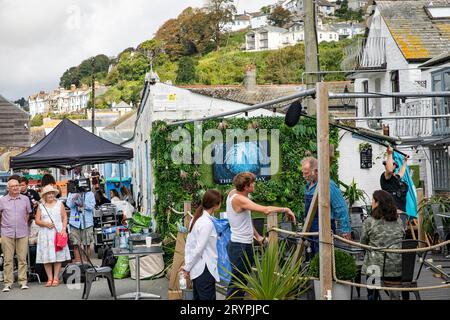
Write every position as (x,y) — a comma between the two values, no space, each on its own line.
(352,194)
(427,205)
(273,278)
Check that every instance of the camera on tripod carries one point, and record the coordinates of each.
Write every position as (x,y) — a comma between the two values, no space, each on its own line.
(79,186)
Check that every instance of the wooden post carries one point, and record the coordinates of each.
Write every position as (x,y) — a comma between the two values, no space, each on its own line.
(307,225)
(272,222)
(420,216)
(178,257)
(312,66)
(323,148)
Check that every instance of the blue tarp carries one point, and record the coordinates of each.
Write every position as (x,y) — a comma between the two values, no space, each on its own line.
(223,238)
(411,196)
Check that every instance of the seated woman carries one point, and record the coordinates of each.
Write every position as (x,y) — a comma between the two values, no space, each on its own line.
(382,229)
(126,208)
(100,198)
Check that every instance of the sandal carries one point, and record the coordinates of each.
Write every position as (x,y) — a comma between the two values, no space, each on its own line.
(55,283)
(49,283)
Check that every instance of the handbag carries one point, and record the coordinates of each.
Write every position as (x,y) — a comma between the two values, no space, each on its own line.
(60,239)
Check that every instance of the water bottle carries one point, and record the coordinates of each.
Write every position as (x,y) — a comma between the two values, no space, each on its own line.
(183,283)
(123,241)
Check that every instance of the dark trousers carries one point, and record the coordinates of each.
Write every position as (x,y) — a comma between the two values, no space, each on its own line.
(204,286)
(241,259)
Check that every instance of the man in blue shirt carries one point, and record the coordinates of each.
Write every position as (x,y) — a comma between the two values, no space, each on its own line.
(81,221)
(339,208)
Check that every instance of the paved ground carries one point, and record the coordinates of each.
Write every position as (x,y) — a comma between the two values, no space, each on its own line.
(99,290)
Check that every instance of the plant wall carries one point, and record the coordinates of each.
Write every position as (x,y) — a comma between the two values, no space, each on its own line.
(175,183)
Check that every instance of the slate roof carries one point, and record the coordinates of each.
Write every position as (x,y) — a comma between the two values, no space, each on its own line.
(417,35)
(14,125)
(265,93)
(439,59)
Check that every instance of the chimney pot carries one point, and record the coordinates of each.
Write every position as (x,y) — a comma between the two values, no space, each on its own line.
(250,78)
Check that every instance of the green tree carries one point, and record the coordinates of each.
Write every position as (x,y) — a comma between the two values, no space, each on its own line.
(37,121)
(71,76)
(285,65)
(186,71)
(280,17)
(220,13)
(265,9)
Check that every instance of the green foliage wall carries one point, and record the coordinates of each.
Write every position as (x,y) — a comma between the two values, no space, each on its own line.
(175,184)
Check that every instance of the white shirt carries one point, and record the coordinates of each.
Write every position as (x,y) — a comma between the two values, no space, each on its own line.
(201,248)
(241,224)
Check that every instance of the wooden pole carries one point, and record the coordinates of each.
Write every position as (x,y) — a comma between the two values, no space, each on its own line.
(307,225)
(323,148)
(272,222)
(420,216)
(311,51)
(178,257)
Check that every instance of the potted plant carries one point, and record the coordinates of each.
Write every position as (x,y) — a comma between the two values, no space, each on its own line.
(345,270)
(276,276)
(354,195)
(428,206)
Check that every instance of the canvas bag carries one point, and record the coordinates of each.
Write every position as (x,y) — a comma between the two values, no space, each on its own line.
(150,266)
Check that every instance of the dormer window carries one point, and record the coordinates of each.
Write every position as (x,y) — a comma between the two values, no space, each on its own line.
(438,12)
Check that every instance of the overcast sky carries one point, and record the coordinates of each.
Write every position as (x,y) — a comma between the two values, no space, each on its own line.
(39,40)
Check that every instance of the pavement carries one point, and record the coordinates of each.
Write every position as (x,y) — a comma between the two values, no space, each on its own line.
(99,289)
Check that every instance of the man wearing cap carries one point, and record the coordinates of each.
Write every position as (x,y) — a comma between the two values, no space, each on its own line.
(14,212)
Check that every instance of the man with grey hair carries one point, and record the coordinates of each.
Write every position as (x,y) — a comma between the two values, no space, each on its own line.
(14,211)
(339,208)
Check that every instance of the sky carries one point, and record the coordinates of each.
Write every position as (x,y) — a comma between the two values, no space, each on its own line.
(40,40)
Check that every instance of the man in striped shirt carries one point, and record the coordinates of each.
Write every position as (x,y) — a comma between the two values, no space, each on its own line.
(339,208)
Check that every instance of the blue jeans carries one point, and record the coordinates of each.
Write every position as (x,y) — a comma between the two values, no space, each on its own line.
(237,253)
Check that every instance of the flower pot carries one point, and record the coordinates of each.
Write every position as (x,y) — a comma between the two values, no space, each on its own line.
(339,292)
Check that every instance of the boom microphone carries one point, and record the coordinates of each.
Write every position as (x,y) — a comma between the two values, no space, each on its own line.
(293,114)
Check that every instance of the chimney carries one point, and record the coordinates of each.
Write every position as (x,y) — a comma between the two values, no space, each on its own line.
(250,78)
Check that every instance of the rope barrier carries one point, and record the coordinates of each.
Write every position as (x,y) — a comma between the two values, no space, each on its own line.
(299,234)
(360,285)
(381,249)
(180,212)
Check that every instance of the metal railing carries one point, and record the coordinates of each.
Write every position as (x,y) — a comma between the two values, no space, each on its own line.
(365,53)
(417,127)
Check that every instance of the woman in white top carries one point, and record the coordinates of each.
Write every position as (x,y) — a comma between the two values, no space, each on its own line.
(51,217)
(201,248)
(239,208)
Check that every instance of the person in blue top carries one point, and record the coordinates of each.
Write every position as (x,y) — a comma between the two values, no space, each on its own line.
(339,208)
(81,221)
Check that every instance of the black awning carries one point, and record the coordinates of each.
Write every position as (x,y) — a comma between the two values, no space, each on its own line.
(69,146)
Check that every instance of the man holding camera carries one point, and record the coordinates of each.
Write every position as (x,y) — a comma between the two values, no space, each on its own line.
(81,221)
(31,194)
(393,183)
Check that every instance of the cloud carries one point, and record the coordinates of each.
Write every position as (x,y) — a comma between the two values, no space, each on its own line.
(39,40)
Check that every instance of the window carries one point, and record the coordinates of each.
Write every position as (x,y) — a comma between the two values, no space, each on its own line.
(395,87)
(438,12)
(366,100)
(440,165)
(441,82)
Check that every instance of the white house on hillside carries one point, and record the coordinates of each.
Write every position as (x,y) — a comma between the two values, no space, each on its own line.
(258,20)
(401,36)
(240,21)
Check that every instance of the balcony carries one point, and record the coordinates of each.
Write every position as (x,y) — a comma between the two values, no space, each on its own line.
(404,128)
(363,54)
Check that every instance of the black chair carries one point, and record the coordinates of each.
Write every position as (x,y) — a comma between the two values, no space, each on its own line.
(258,223)
(441,230)
(92,273)
(408,277)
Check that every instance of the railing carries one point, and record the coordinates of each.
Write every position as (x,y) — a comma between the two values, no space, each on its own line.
(365,53)
(417,127)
